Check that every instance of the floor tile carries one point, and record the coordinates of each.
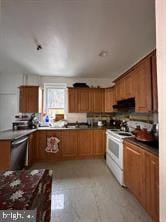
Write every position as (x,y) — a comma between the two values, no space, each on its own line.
(86,191)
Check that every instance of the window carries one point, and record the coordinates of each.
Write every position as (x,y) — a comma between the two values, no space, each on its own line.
(54,99)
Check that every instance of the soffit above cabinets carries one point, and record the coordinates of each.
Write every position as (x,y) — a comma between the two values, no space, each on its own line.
(72,34)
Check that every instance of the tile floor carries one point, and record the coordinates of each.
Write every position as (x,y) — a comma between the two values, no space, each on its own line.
(86,191)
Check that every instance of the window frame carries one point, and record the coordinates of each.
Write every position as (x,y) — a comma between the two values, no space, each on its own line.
(53,86)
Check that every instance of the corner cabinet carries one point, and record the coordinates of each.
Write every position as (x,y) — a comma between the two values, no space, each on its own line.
(141,176)
(30,99)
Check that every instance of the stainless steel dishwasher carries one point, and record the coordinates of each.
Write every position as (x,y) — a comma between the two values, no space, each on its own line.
(18,153)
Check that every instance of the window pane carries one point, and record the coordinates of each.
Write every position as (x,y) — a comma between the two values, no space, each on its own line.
(55,98)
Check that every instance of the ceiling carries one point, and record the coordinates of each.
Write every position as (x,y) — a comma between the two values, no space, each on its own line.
(72,34)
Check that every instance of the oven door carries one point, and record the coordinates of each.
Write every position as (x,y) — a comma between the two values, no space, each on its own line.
(115,150)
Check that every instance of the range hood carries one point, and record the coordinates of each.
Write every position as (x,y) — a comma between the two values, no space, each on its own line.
(125,105)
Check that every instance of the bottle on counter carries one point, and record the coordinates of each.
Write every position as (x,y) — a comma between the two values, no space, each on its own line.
(47,120)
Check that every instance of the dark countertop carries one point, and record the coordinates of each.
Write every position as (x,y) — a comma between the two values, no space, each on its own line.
(152,147)
(15,134)
(75,128)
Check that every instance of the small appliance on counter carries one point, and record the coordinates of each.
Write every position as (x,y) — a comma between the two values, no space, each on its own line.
(33,121)
(21,122)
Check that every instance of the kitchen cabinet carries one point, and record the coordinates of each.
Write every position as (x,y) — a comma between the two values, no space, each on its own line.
(30,99)
(99,142)
(69,144)
(142,85)
(129,91)
(5,154)
(120,90)
(140,82)
(98,98)
(85,143)
(109,99)
(41,154)
(154,83)
(83,100)
(134,174)
(74,144)
(31,149)
(152,185)
(141,176)
(72,100)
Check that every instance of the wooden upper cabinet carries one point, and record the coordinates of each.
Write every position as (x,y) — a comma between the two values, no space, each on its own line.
(120,90)
(72,100)
(30,99)
(129,91)
(134,173)
(98,100)
(154,83)
(84,100)
(109,99)
(142,85)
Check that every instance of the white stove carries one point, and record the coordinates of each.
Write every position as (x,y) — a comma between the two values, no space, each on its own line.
(114,152)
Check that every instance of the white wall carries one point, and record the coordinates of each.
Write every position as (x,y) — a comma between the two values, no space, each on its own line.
(9,94)
(161,70)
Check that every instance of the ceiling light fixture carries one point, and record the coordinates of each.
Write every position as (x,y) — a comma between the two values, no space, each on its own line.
(38,45)
(103,53)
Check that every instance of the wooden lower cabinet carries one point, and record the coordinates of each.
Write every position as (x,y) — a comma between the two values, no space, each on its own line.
(99,142)
(134,174)
(31,149)
(69,144)
(141,176)
(41,154)
(74,144)
(152,185)
(85,143)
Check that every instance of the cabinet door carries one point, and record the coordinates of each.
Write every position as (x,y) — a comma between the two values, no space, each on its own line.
(120,90)
(29,99)
(99,142)
(98,100)
(33,99)
(41,154)
(23,100)
(32,149)
(128,85)
(154,83)
(84,100)
(143,87)
(152,185)
(58,155)
(72,100)
(85,143)
(69,143)
(41,145)
(134,173)
(109,99)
